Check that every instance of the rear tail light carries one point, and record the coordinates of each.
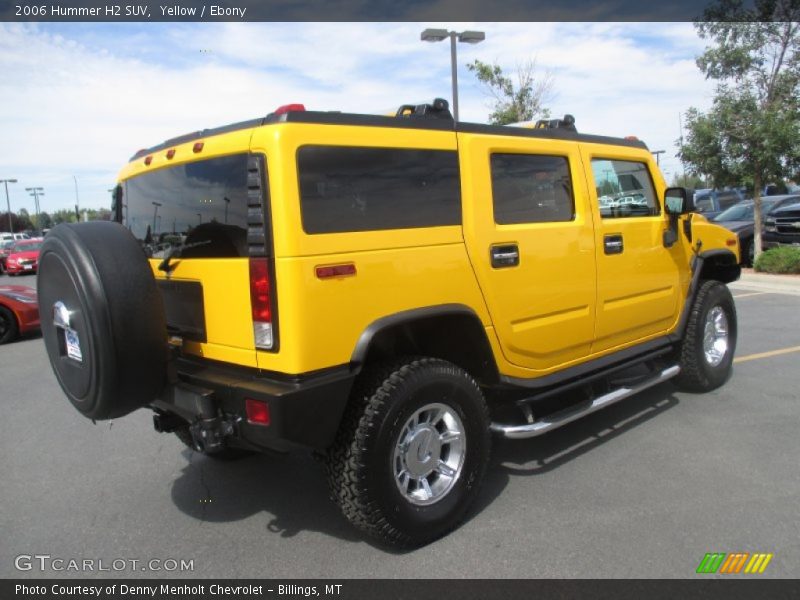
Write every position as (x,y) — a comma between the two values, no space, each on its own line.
(261,303)
(257,412)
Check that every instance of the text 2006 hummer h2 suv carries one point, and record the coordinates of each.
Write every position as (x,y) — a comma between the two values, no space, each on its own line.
(388,291)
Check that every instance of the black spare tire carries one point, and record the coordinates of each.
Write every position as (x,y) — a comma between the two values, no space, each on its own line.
(102,318)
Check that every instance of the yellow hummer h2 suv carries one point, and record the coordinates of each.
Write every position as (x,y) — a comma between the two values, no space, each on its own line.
(389,292)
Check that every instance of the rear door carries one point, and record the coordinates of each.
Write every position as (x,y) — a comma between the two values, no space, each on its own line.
(195,214)
(530,239)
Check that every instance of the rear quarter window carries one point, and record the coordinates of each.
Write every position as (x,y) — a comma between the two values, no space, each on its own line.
(348,189)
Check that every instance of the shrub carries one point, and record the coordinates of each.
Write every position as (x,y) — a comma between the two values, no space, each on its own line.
(779,260)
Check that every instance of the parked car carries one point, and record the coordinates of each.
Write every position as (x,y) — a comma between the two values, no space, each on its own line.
(740,218)
(5,249)
(24,257)
(19,312)
(710,203)
(6,236)
(782,227)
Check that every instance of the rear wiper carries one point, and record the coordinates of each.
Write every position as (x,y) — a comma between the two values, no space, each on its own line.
(174,251)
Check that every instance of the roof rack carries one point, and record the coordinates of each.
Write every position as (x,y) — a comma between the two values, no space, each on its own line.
(568,123)
(439,109)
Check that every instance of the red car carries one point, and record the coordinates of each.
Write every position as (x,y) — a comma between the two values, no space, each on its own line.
(19,311)
(24,257)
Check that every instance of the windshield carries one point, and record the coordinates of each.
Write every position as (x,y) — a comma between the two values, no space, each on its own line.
(745,212)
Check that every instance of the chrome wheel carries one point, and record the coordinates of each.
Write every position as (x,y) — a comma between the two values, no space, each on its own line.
(715,336)
(429,454)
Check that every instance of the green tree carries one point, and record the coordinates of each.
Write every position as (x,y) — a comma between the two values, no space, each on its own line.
(18,222)
(693,182)
(25,222)
(514,103)
(64,215)
(45,221)
(751,135)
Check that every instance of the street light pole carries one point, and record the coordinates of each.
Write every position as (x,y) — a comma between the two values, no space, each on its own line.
(77,202)
(36,192)
(155,214)
(8,203)
(467,37)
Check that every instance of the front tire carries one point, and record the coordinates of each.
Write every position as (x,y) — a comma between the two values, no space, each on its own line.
(9,329)
(411,452)
(706,352)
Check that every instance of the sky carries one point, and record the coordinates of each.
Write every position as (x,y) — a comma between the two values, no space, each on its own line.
(78,100)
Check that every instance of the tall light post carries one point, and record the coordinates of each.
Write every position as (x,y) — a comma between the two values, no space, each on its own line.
(8,203)
(155,215)
(36,192)
(467,37)
(77,202)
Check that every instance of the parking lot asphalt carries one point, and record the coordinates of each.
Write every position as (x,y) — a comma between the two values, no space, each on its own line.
(644,488)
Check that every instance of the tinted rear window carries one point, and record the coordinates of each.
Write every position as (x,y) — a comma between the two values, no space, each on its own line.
(203,202)
(362,189)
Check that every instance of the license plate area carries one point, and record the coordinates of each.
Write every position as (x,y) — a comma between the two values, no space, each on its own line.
(184,308)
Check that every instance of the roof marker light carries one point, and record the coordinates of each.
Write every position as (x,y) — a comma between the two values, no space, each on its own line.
(289,108)
(171,153)
(198,147)
(148,160)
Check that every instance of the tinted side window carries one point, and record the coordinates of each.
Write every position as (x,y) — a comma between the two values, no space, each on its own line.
(624,189)
(362,189)
(530,188)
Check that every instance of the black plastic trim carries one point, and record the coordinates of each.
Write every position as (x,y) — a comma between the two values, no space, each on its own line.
(407,316)
(631,355)
(430,123)
(697,270)
(305,412)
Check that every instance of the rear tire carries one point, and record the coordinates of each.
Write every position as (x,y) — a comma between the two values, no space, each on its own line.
(411,452)
(706,351)
(102,318)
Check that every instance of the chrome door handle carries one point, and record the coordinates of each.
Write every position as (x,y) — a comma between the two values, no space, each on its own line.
(506,255)
(613,244)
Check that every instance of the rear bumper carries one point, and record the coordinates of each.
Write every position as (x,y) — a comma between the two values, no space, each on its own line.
(304,410)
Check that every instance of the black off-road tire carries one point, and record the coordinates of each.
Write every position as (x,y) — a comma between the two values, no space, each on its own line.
(360,464)
(698,374)
(222,454)
(747,253)
(98,273)
(9,328)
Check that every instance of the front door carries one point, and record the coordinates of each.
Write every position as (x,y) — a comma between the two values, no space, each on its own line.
(638,278)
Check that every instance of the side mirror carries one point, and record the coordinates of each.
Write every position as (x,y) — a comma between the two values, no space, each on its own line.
(678,201)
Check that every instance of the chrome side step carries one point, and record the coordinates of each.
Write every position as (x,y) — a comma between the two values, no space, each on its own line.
(555,421)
